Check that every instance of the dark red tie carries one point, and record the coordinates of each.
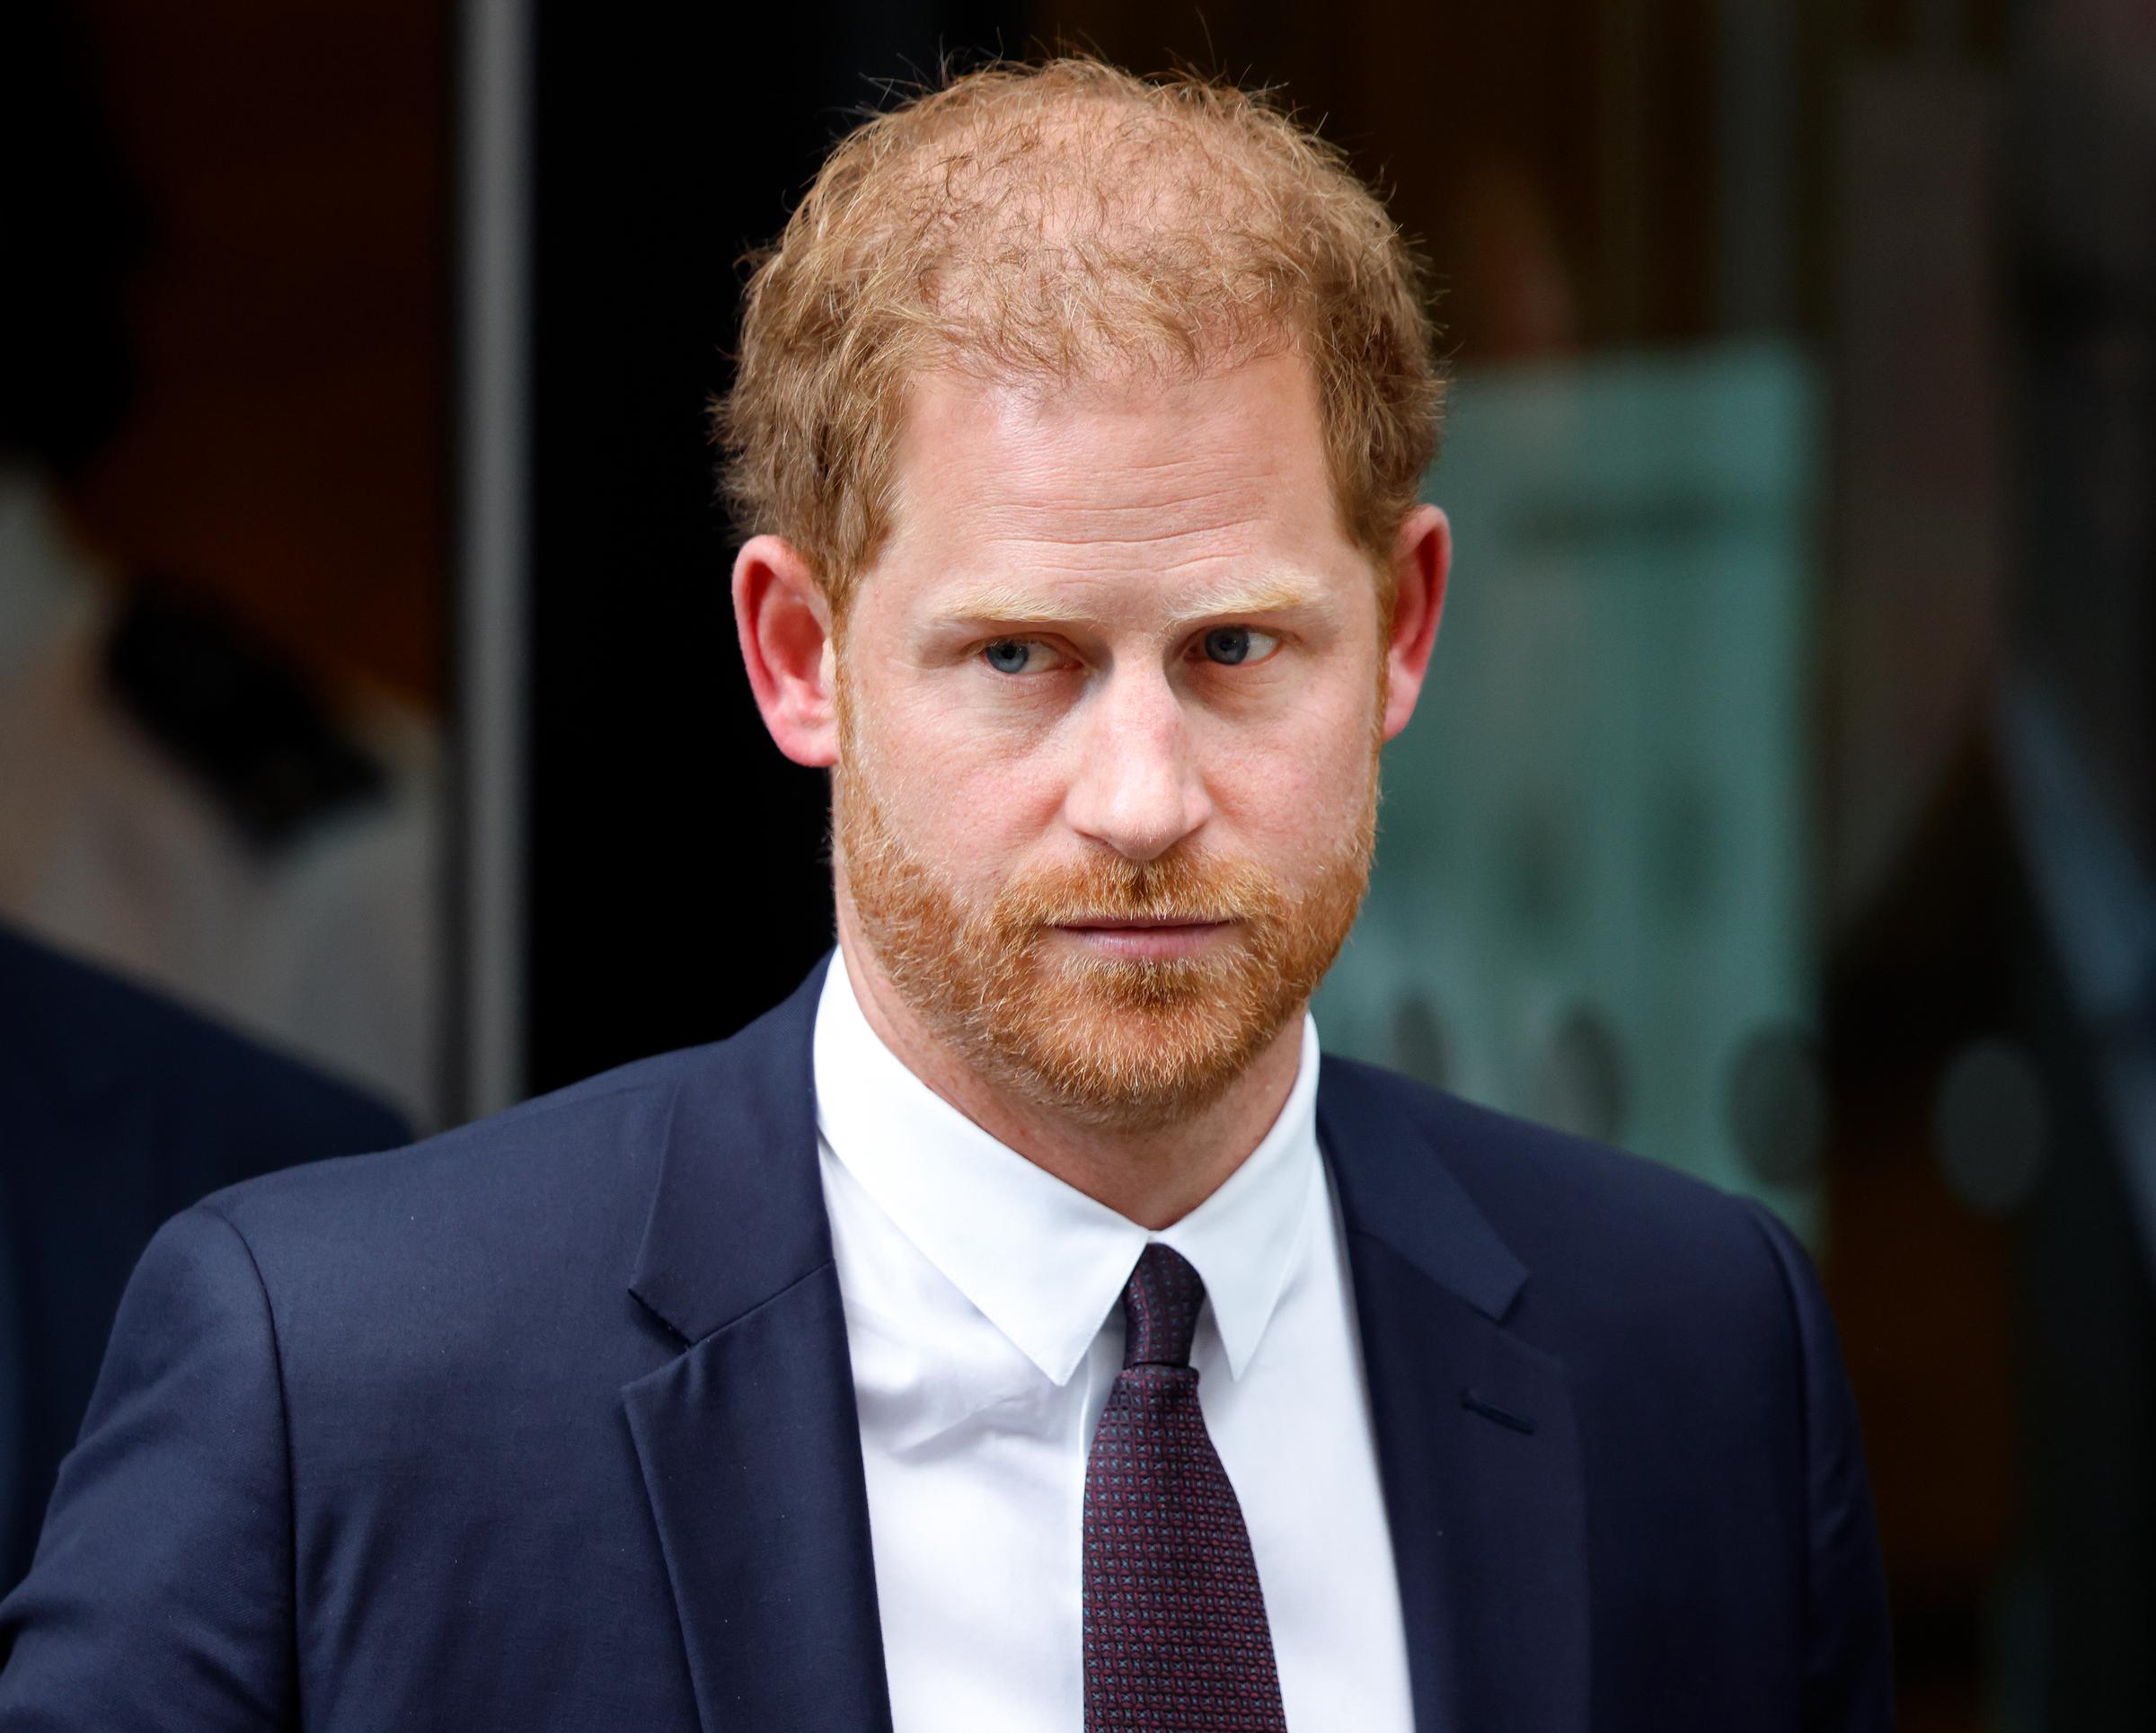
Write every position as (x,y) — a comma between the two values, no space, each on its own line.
(1175,1631)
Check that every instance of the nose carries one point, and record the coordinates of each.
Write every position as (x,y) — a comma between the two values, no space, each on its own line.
(1137,788)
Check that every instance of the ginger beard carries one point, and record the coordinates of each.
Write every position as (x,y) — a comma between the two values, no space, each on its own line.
(1121,1042)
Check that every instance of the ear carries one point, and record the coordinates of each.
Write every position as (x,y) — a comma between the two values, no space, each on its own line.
(786,626)
(1422,559)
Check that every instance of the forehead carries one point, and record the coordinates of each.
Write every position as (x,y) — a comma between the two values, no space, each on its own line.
(1134,473)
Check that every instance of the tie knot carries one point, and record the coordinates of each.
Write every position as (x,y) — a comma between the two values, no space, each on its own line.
(1160,1309)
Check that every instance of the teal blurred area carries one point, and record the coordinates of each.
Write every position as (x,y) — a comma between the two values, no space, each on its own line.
(1591,903)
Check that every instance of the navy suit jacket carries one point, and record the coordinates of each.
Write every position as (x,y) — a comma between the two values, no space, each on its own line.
(117,1108)
(549,1423)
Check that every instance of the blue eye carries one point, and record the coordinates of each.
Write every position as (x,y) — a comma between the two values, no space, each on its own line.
(1009,656)
(1231,646)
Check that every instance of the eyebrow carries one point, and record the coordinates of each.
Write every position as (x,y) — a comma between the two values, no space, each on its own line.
(1010,604)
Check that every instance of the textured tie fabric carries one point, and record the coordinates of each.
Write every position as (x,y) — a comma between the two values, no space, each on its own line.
(1175,1630)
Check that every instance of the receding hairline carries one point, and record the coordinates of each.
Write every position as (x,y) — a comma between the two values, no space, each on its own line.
(915,453)
(1042,221)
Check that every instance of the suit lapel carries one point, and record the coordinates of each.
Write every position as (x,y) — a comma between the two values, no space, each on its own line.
(748,1439)
(1477,1446)
(749,1443)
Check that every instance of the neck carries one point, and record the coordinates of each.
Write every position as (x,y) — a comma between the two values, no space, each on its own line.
(1153,1177)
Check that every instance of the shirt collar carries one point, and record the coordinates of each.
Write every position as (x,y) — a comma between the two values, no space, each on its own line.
(1042,1261)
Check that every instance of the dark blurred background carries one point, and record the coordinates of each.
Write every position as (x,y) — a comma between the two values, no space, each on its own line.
(1784,806)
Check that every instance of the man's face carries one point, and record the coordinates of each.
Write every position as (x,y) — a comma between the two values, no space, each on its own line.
(1109,707)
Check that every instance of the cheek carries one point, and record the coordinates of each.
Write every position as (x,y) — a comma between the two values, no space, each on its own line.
(1290,790)
(957,791)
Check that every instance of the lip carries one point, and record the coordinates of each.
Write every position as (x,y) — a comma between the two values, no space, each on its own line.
(1140,922)
(1146,937)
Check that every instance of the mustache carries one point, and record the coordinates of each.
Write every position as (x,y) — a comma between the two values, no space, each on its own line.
(1182,888)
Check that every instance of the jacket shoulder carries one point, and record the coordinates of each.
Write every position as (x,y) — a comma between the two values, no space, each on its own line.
(1608,1236)
(547,1171)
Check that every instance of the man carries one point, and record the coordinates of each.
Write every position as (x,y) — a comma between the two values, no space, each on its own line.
(117,1108)
(1019,1328)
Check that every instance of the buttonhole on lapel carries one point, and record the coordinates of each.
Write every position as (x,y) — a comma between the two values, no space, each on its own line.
(1489,1411)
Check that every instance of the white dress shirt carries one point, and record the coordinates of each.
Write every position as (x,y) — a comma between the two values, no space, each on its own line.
(983,1318)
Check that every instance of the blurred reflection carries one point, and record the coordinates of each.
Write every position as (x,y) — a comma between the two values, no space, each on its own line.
(1777,1105)
(1593,837)
(1784,803)
(1420,1046)
(217,760)
(179,801)
(1991,1126)
(117,1109)
(1579,1086)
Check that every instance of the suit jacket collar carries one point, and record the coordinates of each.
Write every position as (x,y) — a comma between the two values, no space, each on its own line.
(1477,1448)
(722,1236)
(737,1215)
(749,1442)
(1396,1189)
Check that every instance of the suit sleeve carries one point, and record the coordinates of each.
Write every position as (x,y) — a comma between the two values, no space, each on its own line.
(160,1593)
(1848,1663)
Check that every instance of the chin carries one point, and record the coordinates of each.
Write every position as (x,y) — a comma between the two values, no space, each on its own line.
(1132,1045)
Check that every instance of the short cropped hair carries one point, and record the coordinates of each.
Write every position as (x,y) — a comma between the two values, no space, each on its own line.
(1061,221)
